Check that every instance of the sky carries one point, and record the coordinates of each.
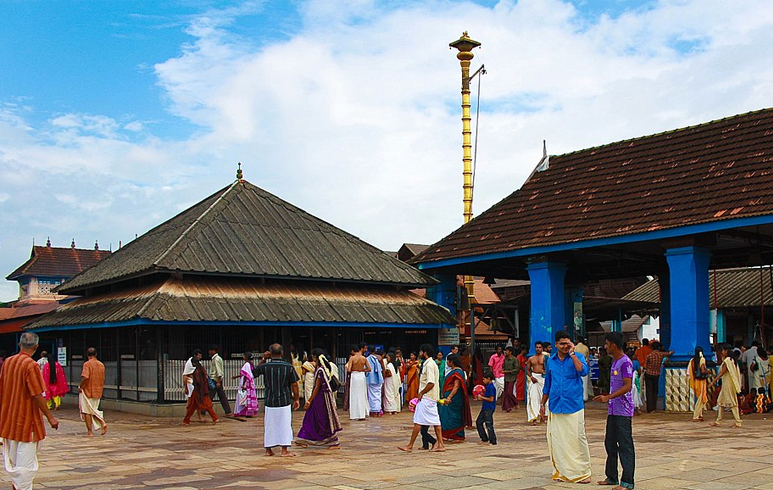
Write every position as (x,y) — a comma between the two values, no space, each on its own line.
(116,116)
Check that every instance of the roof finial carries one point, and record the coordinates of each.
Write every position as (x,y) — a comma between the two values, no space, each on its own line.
(72,245)
(544,149)
(96,245)
(239,173)
(48,242)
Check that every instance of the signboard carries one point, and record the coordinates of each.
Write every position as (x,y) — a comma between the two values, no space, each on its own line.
(448,336)
(61,356)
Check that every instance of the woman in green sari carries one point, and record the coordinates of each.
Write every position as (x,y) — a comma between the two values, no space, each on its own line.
(454,410)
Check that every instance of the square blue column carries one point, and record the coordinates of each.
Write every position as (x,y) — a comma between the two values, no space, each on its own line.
(689,291)
(548,303)
(664,280)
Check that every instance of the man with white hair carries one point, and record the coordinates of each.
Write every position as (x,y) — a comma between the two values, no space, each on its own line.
(21,404)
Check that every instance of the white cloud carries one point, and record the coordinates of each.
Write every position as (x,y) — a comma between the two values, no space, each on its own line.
(356,117)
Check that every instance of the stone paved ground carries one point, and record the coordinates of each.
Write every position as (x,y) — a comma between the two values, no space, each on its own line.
(138,452)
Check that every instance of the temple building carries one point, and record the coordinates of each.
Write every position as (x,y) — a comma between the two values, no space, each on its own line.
(672,205)
(241,269)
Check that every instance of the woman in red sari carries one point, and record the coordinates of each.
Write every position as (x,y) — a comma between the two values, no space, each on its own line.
(199,399)
(455,410)
(520,382)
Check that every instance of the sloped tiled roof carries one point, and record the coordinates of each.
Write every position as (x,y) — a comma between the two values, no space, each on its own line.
(711,172)
(735,288)
(244,230)
(57,262)
(217,299)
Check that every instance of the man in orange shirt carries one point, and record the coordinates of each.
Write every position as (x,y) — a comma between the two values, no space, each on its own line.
(90,391)
(21,402)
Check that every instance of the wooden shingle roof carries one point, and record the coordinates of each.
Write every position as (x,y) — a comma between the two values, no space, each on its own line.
(711,172)
(243,230)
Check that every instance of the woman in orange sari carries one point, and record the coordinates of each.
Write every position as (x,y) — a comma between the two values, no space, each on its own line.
(412,378)
(697,374)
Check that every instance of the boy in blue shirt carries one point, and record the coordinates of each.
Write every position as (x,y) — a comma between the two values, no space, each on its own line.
(486,416)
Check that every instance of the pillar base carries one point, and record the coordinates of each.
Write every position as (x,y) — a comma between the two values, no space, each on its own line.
(679,397)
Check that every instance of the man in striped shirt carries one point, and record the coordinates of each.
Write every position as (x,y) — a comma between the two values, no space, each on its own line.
(281,398)
(21,404)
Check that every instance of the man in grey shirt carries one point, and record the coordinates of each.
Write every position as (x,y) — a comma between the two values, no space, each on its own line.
(216,379)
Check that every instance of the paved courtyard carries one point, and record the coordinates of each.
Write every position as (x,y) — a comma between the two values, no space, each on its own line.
(156,453)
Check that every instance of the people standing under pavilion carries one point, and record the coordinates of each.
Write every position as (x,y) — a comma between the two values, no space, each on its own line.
(495,362)
(535,379)
(510,368)
(652,367)
(567,443)
(392,384)
(412,377)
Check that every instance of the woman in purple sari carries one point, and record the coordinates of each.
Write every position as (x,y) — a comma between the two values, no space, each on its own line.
(320,422)
(246,395)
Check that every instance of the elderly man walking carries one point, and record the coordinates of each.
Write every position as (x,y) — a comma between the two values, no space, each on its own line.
(21,404)
(567,443)
(282,394)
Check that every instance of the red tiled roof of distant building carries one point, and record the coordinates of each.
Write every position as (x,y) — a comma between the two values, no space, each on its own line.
(711,172)
(58,262)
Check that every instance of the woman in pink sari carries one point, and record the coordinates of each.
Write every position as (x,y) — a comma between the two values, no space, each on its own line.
(56,383)
(246,395)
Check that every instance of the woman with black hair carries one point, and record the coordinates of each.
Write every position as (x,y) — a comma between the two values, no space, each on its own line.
(56,382)
(731,384)
(199,399)
(697,374)
(320,422)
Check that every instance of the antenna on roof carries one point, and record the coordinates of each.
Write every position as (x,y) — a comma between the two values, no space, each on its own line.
(544,163)
(239,173)
(72,245)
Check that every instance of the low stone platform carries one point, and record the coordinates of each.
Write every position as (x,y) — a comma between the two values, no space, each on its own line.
(140,452)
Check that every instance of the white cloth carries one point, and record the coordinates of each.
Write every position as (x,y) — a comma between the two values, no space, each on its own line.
(188,369)
(587,388)
(392,390)
(358,396)
(91,406)
(21,462)
(375,397)
(430,373)
(637,399)
(568,446)
(534,396)
(426,412)
(278,426)
(499,383)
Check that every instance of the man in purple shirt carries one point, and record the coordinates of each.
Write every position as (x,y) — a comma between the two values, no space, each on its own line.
(619,437)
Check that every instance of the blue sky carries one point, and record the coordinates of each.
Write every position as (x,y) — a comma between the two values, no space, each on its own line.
(114,116)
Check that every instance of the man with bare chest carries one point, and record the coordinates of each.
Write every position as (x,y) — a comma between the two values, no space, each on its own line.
(358,389)
(535,380)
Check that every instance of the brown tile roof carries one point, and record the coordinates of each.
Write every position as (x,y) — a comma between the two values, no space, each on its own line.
(242,230)
(28,310)
(218,299)
(735,288)
(711,172)
(57,262)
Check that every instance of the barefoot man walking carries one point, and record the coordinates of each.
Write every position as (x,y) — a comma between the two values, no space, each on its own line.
(426,414)
(90,392)
(567,443)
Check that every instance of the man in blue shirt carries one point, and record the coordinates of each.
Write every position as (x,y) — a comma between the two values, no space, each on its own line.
(567,443)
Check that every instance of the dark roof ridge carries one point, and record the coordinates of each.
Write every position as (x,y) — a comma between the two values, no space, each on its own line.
(662,133)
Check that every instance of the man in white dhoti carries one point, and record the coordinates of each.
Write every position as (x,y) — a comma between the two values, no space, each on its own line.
(21,404)
(567,443)
(281,398)
(90,392)
(358,389)
(426,413)
(535,381)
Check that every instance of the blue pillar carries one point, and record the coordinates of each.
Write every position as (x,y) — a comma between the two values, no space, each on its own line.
(721,326)
(689,281)
(444,293)
(617,326)
(548,304)
(664,280)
